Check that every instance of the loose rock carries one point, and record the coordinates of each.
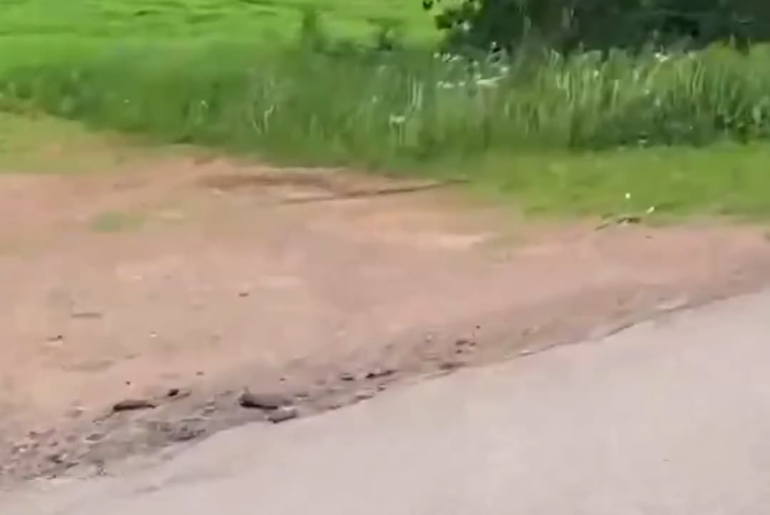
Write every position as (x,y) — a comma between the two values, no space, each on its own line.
(364,395)
(448,366)
(283,414)
(380,373)
(133,405)
(186,432)
(178,393)
(465,342)
(263,401)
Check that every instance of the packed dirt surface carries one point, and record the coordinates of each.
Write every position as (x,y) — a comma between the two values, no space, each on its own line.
(139,306)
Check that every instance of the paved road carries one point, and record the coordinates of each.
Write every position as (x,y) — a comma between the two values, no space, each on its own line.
(670,417)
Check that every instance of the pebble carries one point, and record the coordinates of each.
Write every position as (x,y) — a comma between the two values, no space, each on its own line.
(133,405)
(94,437)
(263,401)
(448,366)
(364,395)
(186,432)
(380,372)
(283,414)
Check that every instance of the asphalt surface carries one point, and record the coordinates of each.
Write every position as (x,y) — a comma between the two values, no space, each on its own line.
(669,417)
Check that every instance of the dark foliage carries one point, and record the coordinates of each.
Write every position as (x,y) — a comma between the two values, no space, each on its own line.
(566,25)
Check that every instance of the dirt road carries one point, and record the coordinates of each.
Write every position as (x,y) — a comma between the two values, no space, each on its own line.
(668,418)
(178,285)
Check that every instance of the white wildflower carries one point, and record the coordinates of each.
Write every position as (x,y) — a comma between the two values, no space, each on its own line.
(489,82)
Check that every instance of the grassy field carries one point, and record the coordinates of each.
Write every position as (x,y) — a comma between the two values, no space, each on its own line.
(657,184)
(272,22)
(568,135)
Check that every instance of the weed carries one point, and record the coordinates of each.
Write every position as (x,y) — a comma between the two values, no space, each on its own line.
(326,101)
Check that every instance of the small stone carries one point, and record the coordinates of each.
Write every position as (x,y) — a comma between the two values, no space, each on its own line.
(283,414)
(178,393)
(347,377)
(263,401)
(185,433)
(19,448)
(133,405)
(448,366)
(364,395)
(380,373)
(465,342)
(56,458)
(94,437)
(464,345)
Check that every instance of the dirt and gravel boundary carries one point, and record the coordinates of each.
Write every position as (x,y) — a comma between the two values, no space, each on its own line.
(139,307)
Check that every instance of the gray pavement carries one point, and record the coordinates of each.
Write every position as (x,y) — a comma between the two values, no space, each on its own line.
(669,417)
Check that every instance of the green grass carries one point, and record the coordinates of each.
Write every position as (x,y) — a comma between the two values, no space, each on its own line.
(726,179)
(658,184)
(722,179)
(268,22)
(681,134)
(358,107)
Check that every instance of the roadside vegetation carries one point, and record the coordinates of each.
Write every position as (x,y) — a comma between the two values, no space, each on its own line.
(595,128)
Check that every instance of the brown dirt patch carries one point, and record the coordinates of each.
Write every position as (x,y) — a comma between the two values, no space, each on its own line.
(228,283)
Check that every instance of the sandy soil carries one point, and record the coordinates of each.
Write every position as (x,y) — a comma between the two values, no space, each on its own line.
(182,284)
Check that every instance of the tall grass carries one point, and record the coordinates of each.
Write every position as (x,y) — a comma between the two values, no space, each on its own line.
(354,105)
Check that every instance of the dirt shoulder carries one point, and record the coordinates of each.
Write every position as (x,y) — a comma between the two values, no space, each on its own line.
(183,284)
